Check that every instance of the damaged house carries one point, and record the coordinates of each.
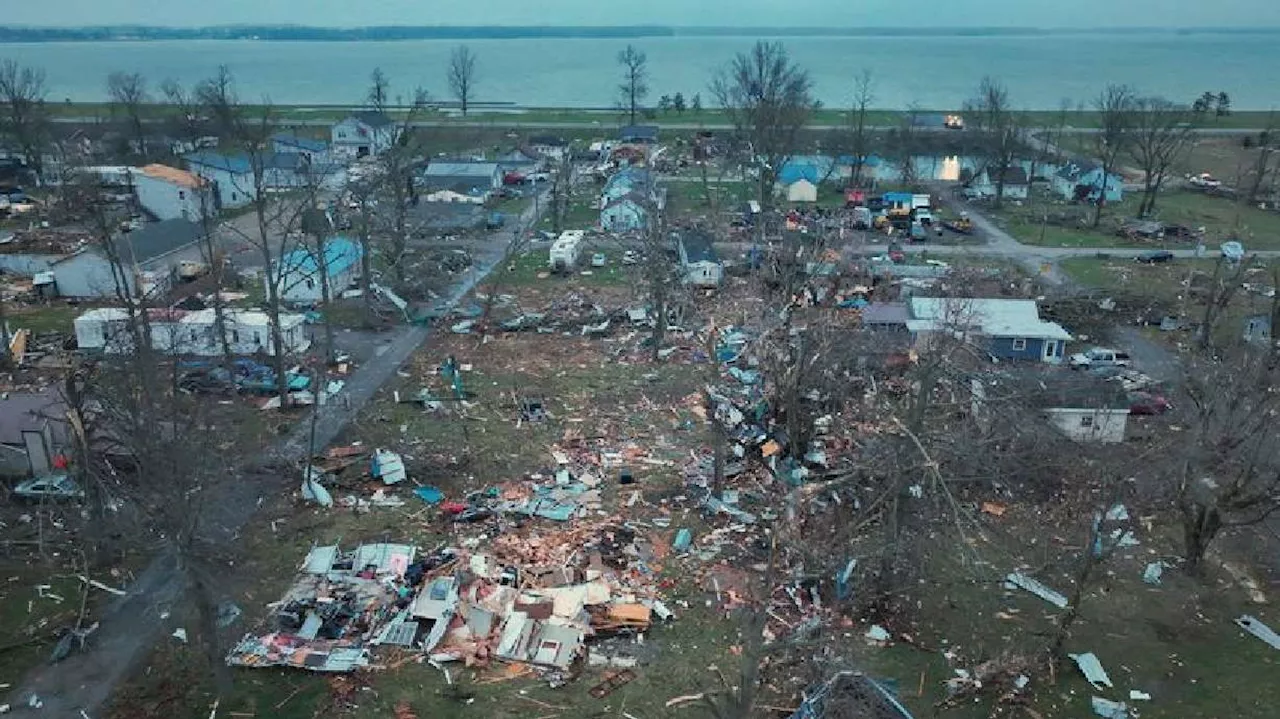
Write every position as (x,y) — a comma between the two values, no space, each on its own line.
(1004,329)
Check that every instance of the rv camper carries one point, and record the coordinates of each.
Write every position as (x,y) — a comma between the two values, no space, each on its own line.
(565,250)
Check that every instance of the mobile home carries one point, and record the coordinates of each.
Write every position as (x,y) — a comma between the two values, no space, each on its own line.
(566,249)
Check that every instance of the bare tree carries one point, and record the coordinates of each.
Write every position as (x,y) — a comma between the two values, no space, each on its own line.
(635,80)
(860,141)
(769,100)
(396,168)
(276,218)
(24,118)
(1225,470)
(128,92)
(1160,136)
(907,144)
(1263,167)
(379,90)
(1115,107)
(462,76)
(186,116)
(998,130)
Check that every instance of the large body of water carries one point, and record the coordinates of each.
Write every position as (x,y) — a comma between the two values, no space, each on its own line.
(934,72)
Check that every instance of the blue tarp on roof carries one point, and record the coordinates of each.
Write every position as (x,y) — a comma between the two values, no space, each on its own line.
(302,143)
(340,254)
(236,164)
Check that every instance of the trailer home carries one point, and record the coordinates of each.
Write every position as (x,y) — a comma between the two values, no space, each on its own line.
(566,249)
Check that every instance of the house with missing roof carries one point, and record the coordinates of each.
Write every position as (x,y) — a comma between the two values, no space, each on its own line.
(299,273)
(149,258)
(32,429)
(366,133)
(1084,181)
(167,193)
(1004,329)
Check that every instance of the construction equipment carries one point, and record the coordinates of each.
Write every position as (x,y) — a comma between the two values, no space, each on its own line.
(962,226)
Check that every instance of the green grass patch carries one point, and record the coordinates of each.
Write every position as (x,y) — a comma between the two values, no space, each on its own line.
(56,317)
(1221,218)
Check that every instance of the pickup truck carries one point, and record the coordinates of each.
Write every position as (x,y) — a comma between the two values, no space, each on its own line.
(1099,357)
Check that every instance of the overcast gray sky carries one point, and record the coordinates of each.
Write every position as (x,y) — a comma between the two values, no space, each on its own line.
(932,13)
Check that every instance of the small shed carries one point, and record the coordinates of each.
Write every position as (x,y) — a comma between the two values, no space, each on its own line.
(802,190)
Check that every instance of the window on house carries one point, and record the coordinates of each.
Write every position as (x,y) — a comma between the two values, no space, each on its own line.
(1086,422)
(1019,345)
(311,284)
(257,338)
(182,195)
(235,336)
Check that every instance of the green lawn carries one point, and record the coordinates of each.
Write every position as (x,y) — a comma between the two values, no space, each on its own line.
(54,317)
(525,270)
(1221,218)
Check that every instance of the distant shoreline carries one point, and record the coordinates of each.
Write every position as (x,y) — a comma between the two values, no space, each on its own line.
(282,33)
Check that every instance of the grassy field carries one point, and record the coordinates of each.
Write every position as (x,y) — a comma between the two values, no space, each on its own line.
(53,317)
(1221,218)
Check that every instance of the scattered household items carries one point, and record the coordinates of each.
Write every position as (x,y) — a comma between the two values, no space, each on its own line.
(389,467)
(1022,581)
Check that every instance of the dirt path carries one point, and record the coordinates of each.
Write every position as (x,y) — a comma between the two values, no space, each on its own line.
(81,685)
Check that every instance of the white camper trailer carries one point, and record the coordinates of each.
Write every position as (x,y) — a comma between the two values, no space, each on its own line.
(566,249)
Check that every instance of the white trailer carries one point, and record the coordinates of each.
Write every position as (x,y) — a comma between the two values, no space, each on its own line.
(566,250)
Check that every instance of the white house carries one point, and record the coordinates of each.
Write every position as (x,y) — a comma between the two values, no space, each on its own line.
(802,190)
(625,214)
(698,260)
(1090,424)
(362,134)
(1081,407)
(299,271)
(984,184)
(168,193)
(1082,180)
(549,146)
(232,177)
(179,332)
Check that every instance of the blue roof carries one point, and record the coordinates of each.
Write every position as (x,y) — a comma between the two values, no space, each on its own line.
(904,197)
(805,167)
(302,143)
(237,164)
(340,255)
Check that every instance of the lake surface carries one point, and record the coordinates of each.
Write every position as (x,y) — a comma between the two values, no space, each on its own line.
(936,72)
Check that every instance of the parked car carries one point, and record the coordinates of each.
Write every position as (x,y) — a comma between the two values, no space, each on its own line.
(1147,403)
(896,255)
(1154,257)
(599,260)
(630,257)
(52,487)
(1099,357)
(1204,181)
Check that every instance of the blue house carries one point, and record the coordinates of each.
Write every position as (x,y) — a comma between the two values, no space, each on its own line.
(298,272)
(1005,329)
(1082,180)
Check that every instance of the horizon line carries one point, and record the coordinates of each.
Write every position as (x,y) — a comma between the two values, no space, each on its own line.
(652,26)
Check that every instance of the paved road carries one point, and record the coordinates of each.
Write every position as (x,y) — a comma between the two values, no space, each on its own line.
(84,682)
